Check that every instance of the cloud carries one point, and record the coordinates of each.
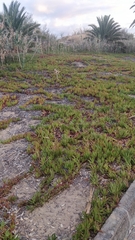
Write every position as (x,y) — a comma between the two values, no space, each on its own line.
(64,15)
(63,8)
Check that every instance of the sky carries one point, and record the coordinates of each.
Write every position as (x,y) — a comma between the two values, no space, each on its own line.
(64,17)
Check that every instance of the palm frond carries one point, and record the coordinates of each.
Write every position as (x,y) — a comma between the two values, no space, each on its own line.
(107,29)
(133,23)
(17,19)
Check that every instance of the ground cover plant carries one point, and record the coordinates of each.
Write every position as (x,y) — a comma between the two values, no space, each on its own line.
(88,116)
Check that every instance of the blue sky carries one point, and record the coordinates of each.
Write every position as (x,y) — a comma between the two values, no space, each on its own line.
(63,17)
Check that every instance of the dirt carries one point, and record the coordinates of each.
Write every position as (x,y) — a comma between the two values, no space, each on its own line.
(132,96)
(88,99)
(128,58)
(79,64)
(110,73)
(62,213)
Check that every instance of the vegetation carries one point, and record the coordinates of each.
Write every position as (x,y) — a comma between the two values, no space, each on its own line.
(107,29)
(88,120)
(6,233)
(18,33)
(16,19)
(133,23)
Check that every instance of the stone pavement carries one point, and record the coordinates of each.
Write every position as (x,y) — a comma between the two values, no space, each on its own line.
(131,235)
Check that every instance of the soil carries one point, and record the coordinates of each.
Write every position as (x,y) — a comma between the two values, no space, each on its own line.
(79,64)
(62,213)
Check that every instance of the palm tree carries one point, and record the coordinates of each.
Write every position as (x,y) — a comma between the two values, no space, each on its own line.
(16,19)
(133,23)
(18,33)
(107,29)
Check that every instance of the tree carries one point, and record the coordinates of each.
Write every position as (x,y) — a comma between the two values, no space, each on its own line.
(17,19)
(133,23)
(18,33)
(107,29)
(126,35)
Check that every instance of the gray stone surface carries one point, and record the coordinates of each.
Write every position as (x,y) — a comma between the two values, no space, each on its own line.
(116,226)
(60,215)
(131,235)
(128,203)
(14,160)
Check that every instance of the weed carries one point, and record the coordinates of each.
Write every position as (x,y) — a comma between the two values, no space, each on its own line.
(5,123)
(6,234)
(53,237)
